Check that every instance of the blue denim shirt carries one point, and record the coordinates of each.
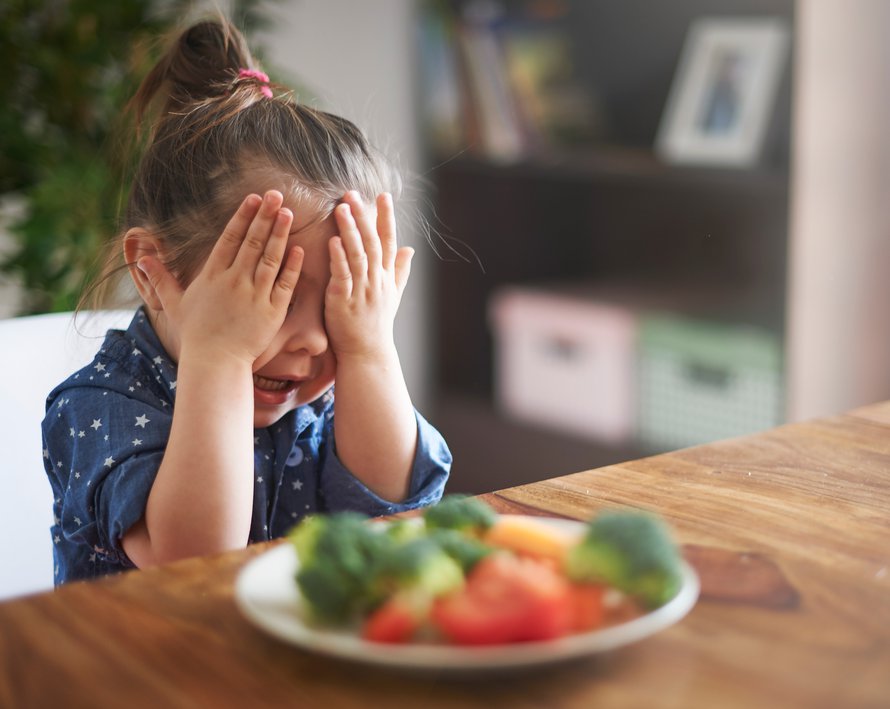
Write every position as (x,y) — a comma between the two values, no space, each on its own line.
(104,435)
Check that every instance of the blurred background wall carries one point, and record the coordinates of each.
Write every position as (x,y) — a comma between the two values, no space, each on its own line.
(839,280)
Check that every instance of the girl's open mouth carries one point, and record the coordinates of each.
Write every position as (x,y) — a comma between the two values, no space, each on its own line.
(273,391)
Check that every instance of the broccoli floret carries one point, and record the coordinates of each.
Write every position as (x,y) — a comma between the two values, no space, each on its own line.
(337,555)
(347,566)
(461,512)
(631,551)
(404,530)
(305,535)
(418,565)
(466,551)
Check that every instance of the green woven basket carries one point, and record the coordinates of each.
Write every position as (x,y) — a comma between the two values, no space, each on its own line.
(701,381)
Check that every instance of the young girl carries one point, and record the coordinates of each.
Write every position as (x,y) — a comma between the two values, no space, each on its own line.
(261,238)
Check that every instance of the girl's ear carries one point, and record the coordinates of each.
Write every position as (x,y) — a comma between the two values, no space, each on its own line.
(139,243)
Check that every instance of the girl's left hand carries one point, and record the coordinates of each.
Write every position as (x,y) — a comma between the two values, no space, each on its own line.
(368,276)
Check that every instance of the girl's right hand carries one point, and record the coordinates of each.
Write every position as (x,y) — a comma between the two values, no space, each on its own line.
(238,301)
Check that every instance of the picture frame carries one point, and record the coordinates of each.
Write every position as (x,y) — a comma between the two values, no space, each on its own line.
(724,91)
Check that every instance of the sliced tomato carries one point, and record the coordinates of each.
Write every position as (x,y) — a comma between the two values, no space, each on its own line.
(395,621)
(506,599)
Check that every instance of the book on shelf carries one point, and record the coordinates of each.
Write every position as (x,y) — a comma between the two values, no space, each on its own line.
(442,104)
(493,103)
(499,84)
(555,107)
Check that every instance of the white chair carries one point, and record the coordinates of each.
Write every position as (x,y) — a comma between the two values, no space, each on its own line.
(36,353)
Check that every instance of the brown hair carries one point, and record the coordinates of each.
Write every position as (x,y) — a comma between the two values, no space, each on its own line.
(213,127)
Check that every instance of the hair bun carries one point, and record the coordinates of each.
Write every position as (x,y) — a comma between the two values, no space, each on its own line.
(201,64)
(209,55)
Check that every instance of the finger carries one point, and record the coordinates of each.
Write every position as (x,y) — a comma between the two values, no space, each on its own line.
(352,244)
(403,259)
(226,248)
(254,242)
(386,228)
(341,277)
(283,292)
(364,217)
(166,288)
(268,268)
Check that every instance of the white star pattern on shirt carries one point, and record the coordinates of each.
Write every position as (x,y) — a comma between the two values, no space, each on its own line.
(71,430)
(109,461)
(259,478)
(99,367)
(297,484)
(81,434)
(77,476)
(136,352)
(137,441)
(158,360)
(77,521)
(96,424)
(142,420)
(46,453)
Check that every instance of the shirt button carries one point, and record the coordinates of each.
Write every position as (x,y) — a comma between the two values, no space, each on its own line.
(295,457)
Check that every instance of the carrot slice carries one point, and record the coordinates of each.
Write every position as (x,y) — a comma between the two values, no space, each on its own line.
(526,535)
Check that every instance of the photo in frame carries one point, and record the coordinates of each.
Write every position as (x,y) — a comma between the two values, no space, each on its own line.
(723,93)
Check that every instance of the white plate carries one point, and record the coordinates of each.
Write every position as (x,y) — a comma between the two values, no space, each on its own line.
(267,594)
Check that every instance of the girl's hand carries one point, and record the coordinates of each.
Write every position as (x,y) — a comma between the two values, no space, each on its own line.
(368,276)
(375,427)
(238,301)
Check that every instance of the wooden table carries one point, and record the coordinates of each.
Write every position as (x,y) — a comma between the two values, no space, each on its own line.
(789,530)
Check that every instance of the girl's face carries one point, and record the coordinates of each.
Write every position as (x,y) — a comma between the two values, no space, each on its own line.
(299,365)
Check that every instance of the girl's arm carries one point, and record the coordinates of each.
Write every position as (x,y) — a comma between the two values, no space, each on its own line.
(375,429)
(201,500)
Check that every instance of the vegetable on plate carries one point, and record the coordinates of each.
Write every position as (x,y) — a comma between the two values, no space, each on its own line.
(462,574)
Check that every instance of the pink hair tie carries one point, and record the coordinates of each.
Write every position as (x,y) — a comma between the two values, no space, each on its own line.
(260,76)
